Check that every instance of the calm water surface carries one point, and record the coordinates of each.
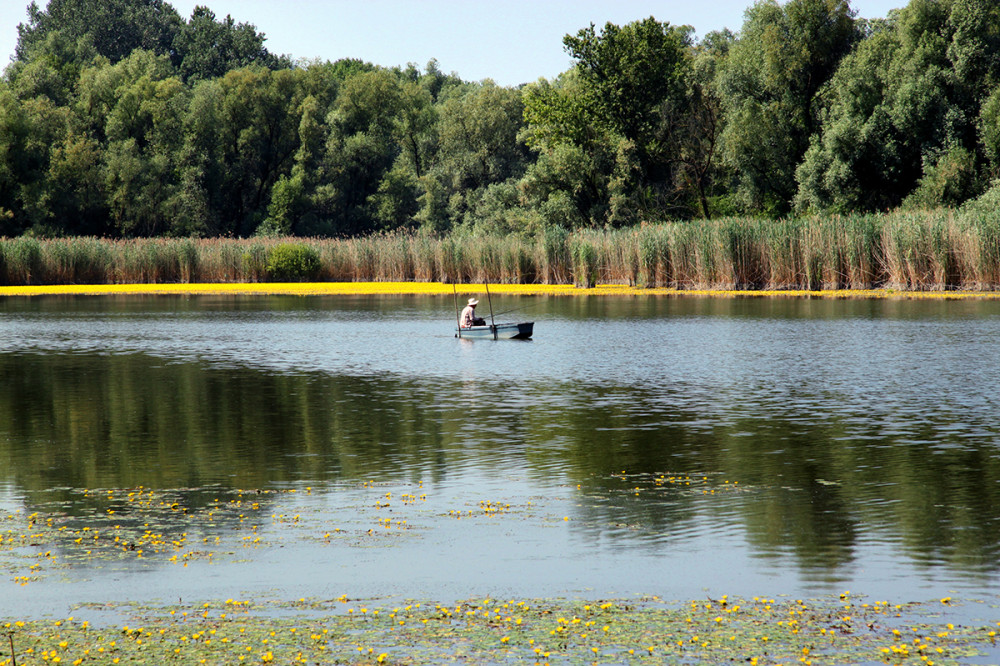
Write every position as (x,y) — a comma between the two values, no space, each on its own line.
(678,447)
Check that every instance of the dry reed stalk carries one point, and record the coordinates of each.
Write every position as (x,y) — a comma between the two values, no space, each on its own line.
(915,250)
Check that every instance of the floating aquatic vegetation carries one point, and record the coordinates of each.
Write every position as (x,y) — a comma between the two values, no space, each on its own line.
(703,484)
(143,526)
(447,289)
(175,527)
(178,526)
(501,631)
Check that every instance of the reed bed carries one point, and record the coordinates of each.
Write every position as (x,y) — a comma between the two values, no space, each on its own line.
(912,251)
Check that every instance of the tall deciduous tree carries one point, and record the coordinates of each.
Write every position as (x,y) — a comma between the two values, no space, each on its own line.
(206,48)
(784,55)
(570,180)
(478,129)
(907,112)
(359,151)
(137,107)
(695,130)
(53,68)
(116,27)
(241,136)
(638,119)
(628,73)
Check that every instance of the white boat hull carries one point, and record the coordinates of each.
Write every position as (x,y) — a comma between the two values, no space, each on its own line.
(519,331)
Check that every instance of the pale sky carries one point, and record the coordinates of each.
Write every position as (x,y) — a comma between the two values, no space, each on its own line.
(509,41)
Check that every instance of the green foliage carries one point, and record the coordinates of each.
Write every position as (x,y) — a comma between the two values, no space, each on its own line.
(478,127)
(53,67)
(769,87)
(567,184)
(286,203)
(628,72)
(989,131)
(116,28)
(948,181)
(910,113)
(636,118)
(395,202)
(585,264)
(292,262)
(205,48)
(122,119)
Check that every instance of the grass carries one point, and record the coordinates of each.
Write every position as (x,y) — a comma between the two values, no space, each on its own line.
(926,251)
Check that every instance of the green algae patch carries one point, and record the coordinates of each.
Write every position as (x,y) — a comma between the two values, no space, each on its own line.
(494,631)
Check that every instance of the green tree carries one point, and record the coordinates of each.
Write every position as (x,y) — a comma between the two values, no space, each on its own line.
(909,111)
(695,126)
(854,163)
(62,192)
(47,172)
(769,92)
(240,137)
(53,68)
(360,149)
(115,27)
(989,131)
(14,129)
(289,210)
(416,128)
(258,138)
(206,48)
(132,113)
(478,129)
(569,182)
(568,186)
(129,99)
(637,120)
(627,74)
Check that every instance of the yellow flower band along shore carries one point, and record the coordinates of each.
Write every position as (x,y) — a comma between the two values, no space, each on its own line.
(441,289)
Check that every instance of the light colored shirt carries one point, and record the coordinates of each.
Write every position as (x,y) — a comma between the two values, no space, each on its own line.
(468,315)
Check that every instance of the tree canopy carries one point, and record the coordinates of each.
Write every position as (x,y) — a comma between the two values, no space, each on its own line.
(121,118)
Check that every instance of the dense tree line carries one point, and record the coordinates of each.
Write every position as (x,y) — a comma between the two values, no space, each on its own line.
(121,118)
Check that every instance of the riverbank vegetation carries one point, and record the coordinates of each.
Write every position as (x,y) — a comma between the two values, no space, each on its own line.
(501,631)
(122,119)
(943,250)
(181,531)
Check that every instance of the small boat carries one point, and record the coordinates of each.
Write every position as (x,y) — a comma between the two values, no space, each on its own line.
(519,331)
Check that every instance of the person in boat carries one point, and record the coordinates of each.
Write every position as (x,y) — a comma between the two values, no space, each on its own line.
(469,317)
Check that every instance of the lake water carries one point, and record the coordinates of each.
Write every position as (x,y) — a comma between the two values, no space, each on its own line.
(286,447)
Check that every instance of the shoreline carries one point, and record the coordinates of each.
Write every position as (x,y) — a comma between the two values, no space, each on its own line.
(446,289)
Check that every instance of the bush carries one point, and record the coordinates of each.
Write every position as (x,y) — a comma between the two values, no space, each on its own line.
(292,262)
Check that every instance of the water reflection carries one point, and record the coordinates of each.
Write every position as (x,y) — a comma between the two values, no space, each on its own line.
(848,439)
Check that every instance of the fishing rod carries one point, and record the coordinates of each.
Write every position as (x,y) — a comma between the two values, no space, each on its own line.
(530,305)
(493,324)
(458,317)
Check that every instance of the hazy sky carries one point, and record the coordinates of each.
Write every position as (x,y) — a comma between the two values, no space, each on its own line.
(510,41)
